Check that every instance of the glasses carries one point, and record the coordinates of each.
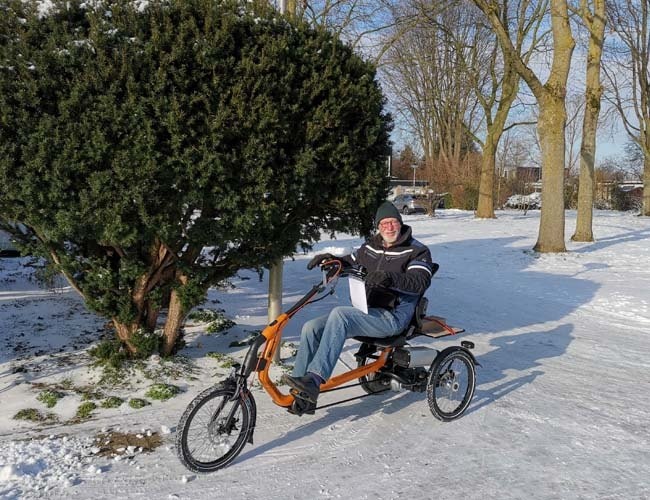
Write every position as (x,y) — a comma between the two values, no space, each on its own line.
(389,223)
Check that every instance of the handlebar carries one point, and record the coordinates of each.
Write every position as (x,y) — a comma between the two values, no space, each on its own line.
(335,267)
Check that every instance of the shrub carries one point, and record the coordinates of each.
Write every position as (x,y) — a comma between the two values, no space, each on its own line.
(152,146)
(112,402)
(162,392)
(84,411)
(215,317)
(109,353)
(137,403)
(33,415)
(49,397)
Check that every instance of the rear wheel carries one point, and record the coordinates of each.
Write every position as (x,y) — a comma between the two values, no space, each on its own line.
(405,210)
(215,428)
(373,382)
(451,384)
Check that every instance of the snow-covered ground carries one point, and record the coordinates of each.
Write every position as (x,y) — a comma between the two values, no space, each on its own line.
(561,409)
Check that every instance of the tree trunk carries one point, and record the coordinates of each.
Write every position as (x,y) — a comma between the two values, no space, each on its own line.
(645,148)
(275,296)
(552,119)
(586,185)
(152,316)
(485,207)
(646,187)
(175,316)
(124,333)
(509,89)
(593,93)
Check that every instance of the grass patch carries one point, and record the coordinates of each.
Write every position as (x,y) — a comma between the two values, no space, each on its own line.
(34,415)
(137,403)
(172,368)
(88,394)
(49,397)
(85,410)
(66,384)
(224,360)
(162,392)
(112,402)
(216,319)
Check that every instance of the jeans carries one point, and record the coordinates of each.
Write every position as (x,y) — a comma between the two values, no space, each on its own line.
(322,339)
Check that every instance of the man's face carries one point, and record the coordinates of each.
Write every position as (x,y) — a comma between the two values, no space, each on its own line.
(389,229)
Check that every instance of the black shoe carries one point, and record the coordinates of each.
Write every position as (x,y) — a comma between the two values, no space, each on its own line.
(303,387)
(301,407)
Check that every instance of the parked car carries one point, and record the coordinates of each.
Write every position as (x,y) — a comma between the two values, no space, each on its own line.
(408,203)
(529,201)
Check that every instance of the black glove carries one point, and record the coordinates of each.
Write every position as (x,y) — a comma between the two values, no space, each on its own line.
(378,278)
(318,260)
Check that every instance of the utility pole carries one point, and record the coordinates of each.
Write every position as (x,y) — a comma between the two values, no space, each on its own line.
(275,296)
(276,267)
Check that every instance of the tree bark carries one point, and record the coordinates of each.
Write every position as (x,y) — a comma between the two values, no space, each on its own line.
(593,93)
(125,332)
(552,119)
(175,317)
(485,208)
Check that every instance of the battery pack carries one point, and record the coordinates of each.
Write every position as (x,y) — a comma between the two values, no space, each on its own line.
(410,357)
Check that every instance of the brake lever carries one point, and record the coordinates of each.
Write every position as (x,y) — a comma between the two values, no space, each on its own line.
(330,271)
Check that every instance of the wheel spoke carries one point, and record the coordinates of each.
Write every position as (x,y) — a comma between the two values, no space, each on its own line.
(451,386)
(207,440)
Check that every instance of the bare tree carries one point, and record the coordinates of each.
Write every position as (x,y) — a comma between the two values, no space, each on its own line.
(592,13)
(364,24)
(496,84)
(427,86)
(628,76)
(552,114)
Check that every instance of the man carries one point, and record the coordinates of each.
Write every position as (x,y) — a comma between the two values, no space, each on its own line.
(399,271)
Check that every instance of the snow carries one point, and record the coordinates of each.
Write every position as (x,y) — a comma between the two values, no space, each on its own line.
(560,411)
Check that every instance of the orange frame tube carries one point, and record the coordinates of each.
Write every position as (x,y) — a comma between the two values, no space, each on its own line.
(273,335)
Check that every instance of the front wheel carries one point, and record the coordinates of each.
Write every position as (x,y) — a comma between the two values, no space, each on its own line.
(451,383)
(215,427)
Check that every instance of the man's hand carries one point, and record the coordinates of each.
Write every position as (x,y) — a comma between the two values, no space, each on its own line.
(319,259)
(378,278)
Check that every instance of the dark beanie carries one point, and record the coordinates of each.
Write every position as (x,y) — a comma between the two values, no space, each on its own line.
(387,211)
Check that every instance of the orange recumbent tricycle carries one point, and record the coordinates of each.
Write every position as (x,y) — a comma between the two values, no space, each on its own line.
(219,422)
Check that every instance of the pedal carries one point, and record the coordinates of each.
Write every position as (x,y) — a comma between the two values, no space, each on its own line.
(301,406)
(298,394)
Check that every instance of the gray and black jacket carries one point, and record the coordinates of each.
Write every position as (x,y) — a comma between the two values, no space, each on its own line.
(409,265)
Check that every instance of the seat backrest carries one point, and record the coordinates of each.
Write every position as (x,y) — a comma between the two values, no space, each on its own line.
(421,307)
(420,313)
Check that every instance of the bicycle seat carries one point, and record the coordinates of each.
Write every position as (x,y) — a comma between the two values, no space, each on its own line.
(394,341)
(412,330)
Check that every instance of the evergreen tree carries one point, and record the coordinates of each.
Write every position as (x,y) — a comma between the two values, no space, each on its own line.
(152,150)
